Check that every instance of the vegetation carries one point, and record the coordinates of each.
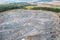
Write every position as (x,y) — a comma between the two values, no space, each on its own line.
(44,8)
(27,6)
(13,6)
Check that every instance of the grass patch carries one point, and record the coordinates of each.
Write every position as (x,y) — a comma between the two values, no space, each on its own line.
(44,8)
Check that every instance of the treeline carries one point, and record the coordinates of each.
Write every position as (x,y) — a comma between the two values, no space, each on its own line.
(13,6)
(9,7)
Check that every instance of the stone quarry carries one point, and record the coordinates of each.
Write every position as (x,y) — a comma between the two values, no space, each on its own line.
(29,25)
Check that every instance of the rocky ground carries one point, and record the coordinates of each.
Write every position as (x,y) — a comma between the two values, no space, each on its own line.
(15,24)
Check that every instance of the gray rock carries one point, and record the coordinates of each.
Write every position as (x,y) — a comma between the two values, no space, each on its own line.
(15,25)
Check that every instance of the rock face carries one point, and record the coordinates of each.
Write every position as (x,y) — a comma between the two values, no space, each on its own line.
(20,23)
